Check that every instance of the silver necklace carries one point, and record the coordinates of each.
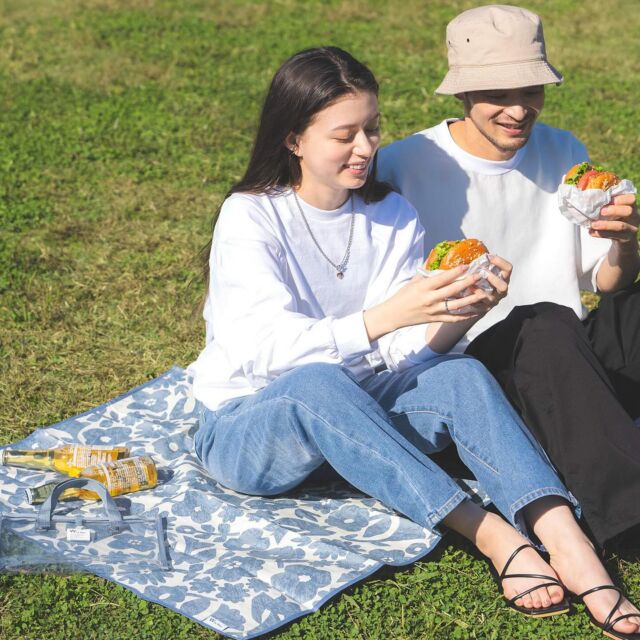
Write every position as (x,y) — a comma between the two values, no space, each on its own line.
(341,267)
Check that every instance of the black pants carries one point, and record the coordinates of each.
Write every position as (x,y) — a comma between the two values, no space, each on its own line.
(577,387)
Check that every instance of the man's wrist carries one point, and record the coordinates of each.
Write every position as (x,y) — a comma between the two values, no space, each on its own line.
(620,268)
(625,249)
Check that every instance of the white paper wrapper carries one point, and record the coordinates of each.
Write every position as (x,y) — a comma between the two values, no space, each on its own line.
(583,207)
(479,264)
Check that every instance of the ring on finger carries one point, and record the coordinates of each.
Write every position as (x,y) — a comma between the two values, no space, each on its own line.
(446,305)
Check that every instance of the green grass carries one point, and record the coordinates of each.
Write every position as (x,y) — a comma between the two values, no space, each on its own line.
(123,123)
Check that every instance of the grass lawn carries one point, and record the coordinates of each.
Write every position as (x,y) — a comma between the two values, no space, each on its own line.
(123,123)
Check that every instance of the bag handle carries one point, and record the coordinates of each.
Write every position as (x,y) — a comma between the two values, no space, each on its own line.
(43,520)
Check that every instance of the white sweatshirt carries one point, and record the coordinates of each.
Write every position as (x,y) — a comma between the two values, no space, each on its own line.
(275,303)
(511,206)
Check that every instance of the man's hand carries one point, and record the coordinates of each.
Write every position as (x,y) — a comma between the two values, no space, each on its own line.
(619,220)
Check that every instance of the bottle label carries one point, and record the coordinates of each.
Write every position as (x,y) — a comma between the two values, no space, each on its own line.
(127,475)
(89,455)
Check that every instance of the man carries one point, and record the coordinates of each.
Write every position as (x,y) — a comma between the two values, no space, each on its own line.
(574,378)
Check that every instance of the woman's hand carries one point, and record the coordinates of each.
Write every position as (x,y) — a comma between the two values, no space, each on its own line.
(432,300)
(500,284)
(424,300)
(441,337)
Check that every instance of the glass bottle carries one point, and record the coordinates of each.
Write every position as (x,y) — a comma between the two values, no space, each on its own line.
(69,459)
(119,477)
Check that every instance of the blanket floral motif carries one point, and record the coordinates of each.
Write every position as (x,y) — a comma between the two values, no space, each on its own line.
(240,565)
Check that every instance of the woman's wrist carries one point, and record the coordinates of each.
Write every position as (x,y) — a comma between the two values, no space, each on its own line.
(440,337)
(378,322)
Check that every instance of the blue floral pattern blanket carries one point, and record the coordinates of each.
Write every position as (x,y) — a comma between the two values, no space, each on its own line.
(240,565)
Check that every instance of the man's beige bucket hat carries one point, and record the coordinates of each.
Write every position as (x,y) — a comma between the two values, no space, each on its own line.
(496,47)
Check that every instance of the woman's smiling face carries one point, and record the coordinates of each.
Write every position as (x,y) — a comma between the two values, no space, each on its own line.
(337,148)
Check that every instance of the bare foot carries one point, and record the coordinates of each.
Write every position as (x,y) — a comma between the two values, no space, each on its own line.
(498,548)
(580,569)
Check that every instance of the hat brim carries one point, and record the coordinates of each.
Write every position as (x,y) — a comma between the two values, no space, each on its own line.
(499,76)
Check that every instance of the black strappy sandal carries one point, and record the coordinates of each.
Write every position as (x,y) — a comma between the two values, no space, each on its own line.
(607,626)
(542,612)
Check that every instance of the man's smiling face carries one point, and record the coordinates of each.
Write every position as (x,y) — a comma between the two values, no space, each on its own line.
(499,122)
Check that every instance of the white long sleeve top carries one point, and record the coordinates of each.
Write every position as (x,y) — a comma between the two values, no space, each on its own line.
(511,206)
(275,303)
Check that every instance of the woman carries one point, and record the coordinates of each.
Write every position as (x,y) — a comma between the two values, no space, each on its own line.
(323,345)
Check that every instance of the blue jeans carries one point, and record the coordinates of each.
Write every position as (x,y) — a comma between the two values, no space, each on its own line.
(376,434)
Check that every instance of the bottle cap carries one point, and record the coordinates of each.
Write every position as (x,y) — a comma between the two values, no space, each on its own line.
(2,456)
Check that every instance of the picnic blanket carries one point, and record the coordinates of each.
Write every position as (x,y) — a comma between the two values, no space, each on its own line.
(239,565)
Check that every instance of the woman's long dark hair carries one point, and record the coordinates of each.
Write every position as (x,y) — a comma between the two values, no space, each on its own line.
(306,83)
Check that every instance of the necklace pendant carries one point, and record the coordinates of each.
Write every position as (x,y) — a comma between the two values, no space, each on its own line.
(340,275)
